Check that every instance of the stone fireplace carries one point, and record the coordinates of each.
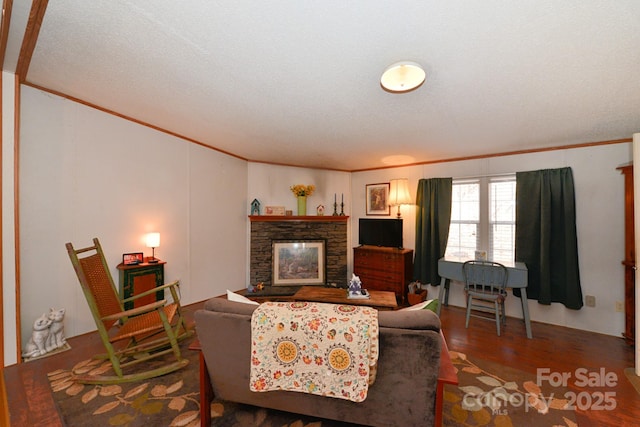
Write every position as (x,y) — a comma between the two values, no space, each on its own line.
(265,229)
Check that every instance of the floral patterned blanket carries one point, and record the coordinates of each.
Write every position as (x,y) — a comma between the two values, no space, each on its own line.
(324,349)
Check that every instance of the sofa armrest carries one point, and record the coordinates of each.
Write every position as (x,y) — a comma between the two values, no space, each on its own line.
(223,305)
(416,320)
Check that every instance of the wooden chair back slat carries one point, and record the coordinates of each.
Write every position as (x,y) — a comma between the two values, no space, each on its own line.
(96,281)
(485,276)
(99,283)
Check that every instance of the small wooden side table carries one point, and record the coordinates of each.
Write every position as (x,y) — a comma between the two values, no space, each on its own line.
(135,279)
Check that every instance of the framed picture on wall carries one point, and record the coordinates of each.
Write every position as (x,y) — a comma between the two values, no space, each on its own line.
(378,199)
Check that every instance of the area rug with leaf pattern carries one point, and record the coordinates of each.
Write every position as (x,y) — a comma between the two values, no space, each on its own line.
(170,400)
(488,394)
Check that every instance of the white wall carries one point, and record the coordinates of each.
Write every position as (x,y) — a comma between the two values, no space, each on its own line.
(270,184)
(600,224)
(85,174)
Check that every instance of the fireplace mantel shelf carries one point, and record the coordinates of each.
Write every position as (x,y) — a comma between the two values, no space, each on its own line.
(279,218)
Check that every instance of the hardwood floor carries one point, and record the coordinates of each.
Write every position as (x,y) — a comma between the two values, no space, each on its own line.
(30,403)
(562,350)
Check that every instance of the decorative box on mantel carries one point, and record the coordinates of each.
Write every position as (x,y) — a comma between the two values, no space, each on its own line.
(266,229)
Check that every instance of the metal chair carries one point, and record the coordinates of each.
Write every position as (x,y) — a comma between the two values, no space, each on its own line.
(485,289)
(129,336)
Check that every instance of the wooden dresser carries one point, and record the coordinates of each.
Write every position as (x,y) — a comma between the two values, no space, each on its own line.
(384,269)
(629,261)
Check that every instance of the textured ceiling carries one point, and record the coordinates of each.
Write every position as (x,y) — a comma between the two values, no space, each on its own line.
(297,81)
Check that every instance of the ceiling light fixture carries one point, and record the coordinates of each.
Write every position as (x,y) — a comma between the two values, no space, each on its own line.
(402,76)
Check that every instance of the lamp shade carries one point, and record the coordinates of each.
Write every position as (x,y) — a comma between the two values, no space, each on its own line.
(399,192)
(402,76)
(152,240)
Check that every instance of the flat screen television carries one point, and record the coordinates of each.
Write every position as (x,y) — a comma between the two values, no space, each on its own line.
(380,232)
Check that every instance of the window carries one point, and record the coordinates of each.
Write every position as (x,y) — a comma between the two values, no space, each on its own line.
(465,218)
(502,219)
(483,218)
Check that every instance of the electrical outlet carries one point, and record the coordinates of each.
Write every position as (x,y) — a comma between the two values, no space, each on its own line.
(590,301)
(619,306)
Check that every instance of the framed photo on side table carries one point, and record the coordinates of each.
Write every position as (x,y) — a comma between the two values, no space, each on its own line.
(133,258)
(378,199)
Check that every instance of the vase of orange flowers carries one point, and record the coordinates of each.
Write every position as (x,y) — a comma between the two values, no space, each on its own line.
(301,192)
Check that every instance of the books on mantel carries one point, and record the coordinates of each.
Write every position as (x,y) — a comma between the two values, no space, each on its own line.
(363,294)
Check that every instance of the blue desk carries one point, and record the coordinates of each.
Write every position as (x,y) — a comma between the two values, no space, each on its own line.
(450,268)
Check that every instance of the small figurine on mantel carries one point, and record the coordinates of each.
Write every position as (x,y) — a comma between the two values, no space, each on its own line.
(255,207)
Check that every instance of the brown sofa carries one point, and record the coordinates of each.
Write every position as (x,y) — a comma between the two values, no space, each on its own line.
(404,392)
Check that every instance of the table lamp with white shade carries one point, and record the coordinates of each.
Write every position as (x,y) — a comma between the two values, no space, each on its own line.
(153,241)
(399,193)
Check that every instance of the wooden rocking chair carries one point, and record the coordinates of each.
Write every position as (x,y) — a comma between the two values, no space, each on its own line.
(129,336)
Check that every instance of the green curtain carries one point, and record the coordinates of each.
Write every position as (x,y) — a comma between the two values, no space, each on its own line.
(433,216)
(546,239)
